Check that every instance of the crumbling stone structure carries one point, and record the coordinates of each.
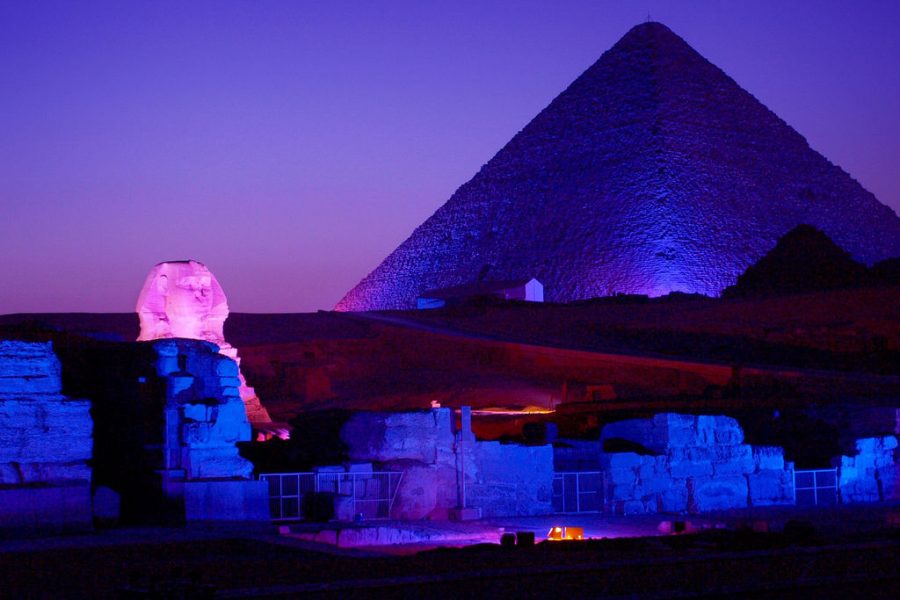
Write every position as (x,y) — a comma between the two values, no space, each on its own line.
(872,474)
(687,463)
(45,443)
(500,479)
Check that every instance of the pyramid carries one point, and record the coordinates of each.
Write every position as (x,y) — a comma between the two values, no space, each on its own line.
(652,172)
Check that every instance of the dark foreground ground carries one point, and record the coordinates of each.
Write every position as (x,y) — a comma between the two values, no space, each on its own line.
(837,553)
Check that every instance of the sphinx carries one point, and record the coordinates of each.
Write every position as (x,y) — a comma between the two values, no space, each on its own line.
(183,299)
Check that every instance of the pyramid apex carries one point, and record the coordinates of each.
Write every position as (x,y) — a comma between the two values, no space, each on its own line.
(649,31)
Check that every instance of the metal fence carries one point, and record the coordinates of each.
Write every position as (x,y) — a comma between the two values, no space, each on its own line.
(815,487)
(370,495)
(578,492)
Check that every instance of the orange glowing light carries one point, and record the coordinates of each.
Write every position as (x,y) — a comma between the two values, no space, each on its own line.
(558,534)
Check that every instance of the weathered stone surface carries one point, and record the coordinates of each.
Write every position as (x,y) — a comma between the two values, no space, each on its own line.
(768,457)
(771,486)
(390,436)
(870,475)
(45,443)
(718,493)
(29,368)
(664,175)
(423,490)
(501,480)
(674,499)
(695,453)
(205,421)
(512,479)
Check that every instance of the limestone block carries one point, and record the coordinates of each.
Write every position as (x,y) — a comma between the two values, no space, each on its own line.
(180,387)
(231,424)
(197,412)
(733,460)
(512,479)
(668,431)
(230,382)
(654,484)
(685,468)
(418,493)
(639,431)
(768,457)
(771,486)
(425,490)
(28,368)
(674,499)
(706,430)
(620,460)
(727,431)
(384,437)
(676,430)
(860,490)
(720,493)
(868,445)
(57,446)
(653,467)
(216,462)
(227,368)
(622,477)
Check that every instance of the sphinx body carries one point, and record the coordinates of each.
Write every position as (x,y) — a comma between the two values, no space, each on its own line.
(183,299)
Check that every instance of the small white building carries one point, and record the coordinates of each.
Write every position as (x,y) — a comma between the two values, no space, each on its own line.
(528,290)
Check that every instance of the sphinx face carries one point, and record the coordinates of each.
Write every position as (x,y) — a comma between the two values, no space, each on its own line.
(182,299)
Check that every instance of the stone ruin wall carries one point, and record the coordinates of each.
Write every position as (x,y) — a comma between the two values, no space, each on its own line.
(690,464)
(501,479)
(872,474)
(45,443)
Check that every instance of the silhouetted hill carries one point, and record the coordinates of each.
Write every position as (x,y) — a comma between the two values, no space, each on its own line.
(804,260)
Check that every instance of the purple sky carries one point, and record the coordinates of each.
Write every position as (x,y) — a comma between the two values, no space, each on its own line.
(292,145)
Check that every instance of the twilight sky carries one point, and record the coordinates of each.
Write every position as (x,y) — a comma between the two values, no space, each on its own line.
(292,145)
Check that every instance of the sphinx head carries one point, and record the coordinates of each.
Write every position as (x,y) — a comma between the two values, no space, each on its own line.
(182,299)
